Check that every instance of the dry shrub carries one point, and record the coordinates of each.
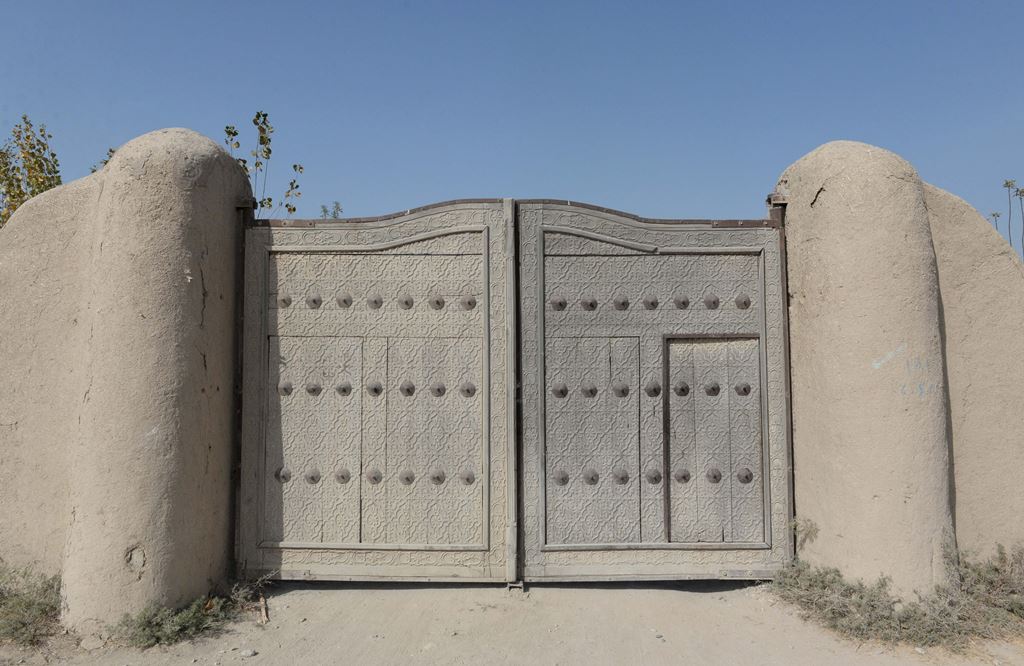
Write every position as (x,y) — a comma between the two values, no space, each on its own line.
(983,600)
(29,605)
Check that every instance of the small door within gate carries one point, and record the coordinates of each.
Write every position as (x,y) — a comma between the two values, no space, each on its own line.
(380,418)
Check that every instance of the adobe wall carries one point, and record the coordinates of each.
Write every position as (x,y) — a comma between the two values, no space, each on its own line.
(906,359)
(118,326)
(981,280)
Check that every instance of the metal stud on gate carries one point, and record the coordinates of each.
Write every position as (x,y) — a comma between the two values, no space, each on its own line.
(620,389)
(405,301)
(285,388)
(343,476)
(620,476)
(407,388)
(590,477)
(406,477)
(436,302)
(743,388)
(651,302)
(468,302)
(313,477)
(284,301)
(620,303)
(374,476)
(588,303)
(652,388)
(467,389)
(374,388)
(561,477)
(653,476)
(711,302)
(745,475)
(559,390)
(743,301)
(344,388)
(437,389)
(712,388)
(681,388)
(558,303)
(375,302)
(437,477)
(313,388)
(344,300)
(314,302)
(682,302)
(467,477)
(714,475)
(588,390)
(682,475)
(283,475)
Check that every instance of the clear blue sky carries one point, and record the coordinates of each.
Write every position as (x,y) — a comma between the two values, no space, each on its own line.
(671,109)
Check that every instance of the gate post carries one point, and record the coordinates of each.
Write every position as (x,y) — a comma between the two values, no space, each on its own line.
(150,480)
(870,407)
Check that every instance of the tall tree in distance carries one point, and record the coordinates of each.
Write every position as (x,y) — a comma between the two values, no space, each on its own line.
(28,166)
(1020,202)
(1011,186)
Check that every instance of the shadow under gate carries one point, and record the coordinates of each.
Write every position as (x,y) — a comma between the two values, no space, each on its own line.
(500,390)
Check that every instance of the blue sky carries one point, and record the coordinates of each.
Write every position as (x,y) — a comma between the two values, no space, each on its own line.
(670,109)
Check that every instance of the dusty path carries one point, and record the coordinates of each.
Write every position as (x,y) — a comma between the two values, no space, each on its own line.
(691,623)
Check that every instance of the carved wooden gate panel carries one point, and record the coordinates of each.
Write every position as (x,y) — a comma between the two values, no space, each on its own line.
(653,396)
(376,427)
(382,438)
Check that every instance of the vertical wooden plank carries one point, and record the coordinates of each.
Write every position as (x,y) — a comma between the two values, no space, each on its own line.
(373,517)
(684,474)
(712,439)
(621,475)
(745,477)
(562,441)
(295,441)
(653,526)
(340,415)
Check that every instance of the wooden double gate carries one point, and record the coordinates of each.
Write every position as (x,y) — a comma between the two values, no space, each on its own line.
(503,390)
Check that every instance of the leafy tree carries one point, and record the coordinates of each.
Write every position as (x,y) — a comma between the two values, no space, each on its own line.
(28,166)
(96,167)
(333,213)
(260,165)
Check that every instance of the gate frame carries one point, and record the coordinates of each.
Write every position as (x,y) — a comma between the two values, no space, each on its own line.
(776,207)
(515,529)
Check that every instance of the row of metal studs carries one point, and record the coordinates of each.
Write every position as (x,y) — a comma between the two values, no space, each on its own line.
(466,389)
(711,302)
(375,302)
(343,476)
(621,476)
(652,388)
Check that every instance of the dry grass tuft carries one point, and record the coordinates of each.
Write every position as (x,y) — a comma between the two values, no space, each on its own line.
(29,606)
(984,600)
(157,625)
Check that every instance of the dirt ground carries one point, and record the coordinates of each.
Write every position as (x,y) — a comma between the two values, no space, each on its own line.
(671,623)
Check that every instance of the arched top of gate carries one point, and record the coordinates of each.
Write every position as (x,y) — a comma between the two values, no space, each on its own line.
(567,204)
